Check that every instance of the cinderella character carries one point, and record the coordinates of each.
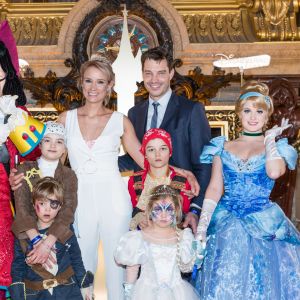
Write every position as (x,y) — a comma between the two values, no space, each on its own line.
(253,250)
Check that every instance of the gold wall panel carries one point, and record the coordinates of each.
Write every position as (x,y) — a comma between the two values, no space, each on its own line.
(214,21)
(35,23)
(35,30)
(217,28)
(273,20)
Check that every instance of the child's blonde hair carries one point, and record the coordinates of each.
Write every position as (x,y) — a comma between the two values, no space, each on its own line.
(162,192)
(45,187)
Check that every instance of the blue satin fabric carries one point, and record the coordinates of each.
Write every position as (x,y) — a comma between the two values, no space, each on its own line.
(253,251)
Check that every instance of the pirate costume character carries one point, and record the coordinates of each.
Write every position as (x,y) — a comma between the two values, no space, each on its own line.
(141,183)
(65,279)
(10,84)
(25,218)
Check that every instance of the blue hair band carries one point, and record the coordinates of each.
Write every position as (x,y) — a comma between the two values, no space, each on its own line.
(256,94)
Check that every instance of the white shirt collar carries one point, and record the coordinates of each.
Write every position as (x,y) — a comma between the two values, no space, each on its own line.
(164,100)
(47,167)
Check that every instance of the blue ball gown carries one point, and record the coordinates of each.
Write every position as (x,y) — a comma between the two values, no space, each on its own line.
(253,251)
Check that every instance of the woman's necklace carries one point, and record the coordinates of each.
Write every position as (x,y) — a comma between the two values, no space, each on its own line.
(252,134)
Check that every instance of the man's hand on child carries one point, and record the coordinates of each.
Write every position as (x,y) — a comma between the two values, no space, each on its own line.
(191,220)
(188,193)
(15,180)
(195,187)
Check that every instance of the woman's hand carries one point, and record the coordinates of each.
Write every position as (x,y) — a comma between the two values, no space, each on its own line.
(277,130)
(15,180)
(41,255)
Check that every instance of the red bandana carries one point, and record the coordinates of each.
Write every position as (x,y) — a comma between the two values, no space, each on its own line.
(151,134)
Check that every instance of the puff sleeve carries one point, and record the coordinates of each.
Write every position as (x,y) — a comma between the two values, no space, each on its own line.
(215,147)
(131,249)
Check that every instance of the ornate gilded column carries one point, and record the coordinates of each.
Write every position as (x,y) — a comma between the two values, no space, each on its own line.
(273,20)
(3,10)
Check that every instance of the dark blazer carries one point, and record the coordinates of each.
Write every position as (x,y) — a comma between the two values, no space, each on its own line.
(67,254)
(188,126)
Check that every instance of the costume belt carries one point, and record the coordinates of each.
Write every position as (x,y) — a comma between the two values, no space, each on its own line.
(61,278)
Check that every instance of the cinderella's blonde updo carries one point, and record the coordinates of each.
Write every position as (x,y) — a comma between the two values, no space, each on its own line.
(261,98)
(102,64)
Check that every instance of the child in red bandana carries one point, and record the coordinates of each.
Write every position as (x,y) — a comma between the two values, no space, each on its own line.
(157,149)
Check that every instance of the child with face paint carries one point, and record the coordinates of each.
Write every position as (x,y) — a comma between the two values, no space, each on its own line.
(161,250)
(24,226)
(65,279)
(157,150)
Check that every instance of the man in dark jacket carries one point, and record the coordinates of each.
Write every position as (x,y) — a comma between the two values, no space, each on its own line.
(183,119)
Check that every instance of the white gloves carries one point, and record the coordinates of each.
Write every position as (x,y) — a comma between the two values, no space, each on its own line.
(87,293)
(270,135)
(208,209)
(128,288)
(8,107)
(7,104)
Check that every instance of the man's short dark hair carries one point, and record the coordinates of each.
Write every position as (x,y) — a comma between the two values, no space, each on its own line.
(157,54)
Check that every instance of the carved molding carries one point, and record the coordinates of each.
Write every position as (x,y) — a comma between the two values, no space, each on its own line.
(274,20)
(217,28)
(44,114)
(36,30)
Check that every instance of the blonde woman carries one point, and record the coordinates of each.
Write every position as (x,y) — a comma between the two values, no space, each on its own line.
(94,134)
(253,250)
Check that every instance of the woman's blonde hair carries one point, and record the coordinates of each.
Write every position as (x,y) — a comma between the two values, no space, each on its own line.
(257,92)
(162,192)
(103,65)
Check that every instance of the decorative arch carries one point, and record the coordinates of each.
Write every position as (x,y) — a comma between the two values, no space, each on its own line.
(86,14)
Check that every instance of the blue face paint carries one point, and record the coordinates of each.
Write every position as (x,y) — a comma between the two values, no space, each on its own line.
(159,208)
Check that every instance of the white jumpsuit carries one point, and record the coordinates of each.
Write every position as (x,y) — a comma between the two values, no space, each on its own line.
(104,207)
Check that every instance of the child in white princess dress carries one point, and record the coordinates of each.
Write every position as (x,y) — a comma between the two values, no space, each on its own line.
(161,249)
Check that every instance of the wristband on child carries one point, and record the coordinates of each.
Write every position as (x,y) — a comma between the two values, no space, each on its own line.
(35,240)
(195,211)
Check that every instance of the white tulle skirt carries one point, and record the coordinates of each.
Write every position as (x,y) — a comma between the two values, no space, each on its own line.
(180,291)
